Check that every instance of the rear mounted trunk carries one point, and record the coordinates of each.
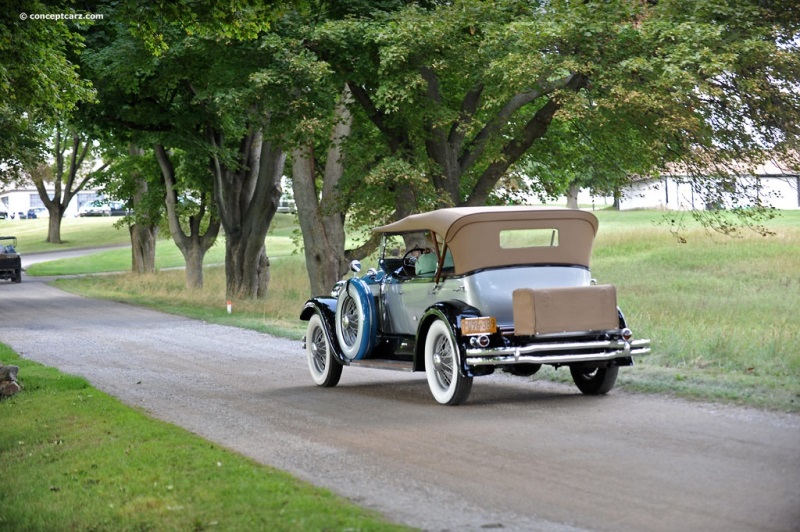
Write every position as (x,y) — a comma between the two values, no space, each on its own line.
(565,310)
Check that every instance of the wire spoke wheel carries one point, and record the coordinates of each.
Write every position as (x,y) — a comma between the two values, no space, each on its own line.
(325,369)
(350,321)
(443,362)
(447,383)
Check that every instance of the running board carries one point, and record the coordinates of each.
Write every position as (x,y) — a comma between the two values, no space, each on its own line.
(377,363)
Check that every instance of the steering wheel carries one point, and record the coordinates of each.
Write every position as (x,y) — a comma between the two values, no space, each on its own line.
(410,258)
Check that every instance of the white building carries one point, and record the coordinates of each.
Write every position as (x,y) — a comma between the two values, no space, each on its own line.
(775,186)
(16,202)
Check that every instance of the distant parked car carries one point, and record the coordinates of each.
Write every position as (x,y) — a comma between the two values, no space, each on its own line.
(3,215)
(461,292)
(118,209)
(38,212)
(286,205)
(102,208)
(94,208)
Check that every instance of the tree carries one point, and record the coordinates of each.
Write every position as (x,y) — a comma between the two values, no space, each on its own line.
(333,195)
(464,91)
(134,179)
(39,83)
(195,240)
(146,215)
(247,191)
(196,95)
(320,211)
(69,175)
(470,95)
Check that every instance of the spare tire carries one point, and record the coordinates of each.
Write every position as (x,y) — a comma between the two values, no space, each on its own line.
(356,325)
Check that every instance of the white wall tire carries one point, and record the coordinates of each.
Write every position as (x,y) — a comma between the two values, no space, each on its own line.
(325,369)
(448,386)
(355,320)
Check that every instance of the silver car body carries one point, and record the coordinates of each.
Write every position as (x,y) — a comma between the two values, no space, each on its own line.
(488,290)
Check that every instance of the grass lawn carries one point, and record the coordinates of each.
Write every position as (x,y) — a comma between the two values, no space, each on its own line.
(75,232)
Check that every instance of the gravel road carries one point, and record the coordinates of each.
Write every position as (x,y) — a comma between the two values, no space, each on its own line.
(518,456)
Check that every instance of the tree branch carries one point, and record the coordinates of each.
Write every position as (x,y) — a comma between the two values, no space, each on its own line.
(514,149)
(171,196)
(395,137)
(468,107)
(473,152)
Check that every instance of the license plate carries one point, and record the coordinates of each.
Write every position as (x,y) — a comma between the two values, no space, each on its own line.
(478,326)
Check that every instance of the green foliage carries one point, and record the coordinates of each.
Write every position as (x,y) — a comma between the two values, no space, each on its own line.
(39,81)
(470,92)
(154,22)
(450,99)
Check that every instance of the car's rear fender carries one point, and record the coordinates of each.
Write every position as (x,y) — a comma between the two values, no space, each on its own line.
(622,323)
(326,308)
(451,312)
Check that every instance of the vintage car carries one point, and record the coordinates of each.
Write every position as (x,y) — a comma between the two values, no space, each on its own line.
(10,261)
(463,291)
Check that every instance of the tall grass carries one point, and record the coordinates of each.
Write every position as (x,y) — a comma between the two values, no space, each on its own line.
(712,301)
(166,290)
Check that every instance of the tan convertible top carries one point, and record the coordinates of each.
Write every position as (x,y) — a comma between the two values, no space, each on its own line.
(473,234)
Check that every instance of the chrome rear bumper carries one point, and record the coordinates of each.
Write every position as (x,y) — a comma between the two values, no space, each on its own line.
(557,353)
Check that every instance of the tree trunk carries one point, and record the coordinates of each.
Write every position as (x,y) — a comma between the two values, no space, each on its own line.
(246,268)
(143,248)
(321,218)
(247,199)
(323,233)
(54,225)
(572,195)
(143,236)
(195,245)
(194,256)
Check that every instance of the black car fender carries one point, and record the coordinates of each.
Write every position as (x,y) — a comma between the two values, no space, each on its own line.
(451,312)
(326,308)
(622,324)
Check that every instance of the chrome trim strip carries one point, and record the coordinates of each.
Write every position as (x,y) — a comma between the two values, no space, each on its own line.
(611,349)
